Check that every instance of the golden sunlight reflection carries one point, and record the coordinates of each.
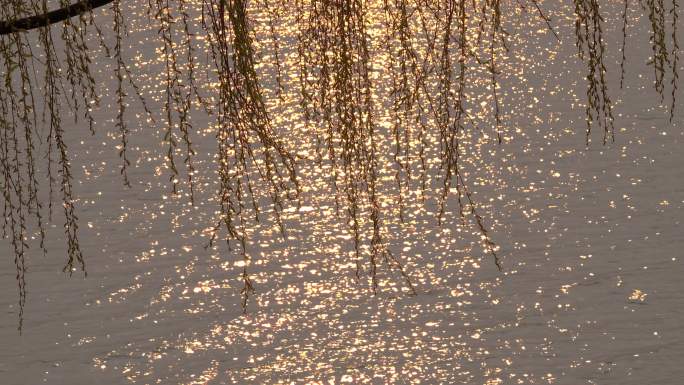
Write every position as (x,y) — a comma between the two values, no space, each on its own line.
(311,319)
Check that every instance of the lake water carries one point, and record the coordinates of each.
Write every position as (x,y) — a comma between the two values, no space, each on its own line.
(590,240)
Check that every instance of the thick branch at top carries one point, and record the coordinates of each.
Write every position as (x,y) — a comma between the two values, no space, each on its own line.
(51,17)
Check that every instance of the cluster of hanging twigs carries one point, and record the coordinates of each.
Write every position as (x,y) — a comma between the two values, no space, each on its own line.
(434,48)
(246,138)
(339,88)
(33,93)
(592,48)
(663,60)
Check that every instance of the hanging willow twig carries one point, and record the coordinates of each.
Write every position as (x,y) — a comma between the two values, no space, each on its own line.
(624,43)
(675,57)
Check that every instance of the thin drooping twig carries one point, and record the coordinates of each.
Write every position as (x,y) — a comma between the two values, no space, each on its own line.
(546,19)
(675,57)
(624,43)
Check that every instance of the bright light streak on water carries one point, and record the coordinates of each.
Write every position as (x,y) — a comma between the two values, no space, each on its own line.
(590,238)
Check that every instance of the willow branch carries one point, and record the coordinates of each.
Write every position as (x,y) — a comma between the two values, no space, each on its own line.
(52,17)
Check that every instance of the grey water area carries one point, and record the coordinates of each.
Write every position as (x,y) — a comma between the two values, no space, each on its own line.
(590,239)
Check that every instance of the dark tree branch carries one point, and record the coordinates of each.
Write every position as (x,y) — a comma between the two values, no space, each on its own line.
(51,17)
